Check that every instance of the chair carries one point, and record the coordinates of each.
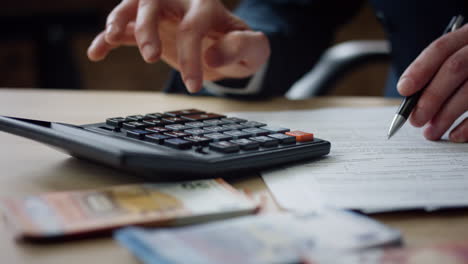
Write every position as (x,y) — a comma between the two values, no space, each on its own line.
(336,62)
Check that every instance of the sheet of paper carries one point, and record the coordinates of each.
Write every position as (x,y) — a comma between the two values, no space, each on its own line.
(365,170)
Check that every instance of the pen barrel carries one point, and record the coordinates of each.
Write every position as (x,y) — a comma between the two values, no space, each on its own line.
(409,104)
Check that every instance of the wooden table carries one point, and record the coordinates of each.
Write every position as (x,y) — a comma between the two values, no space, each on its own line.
(29,168)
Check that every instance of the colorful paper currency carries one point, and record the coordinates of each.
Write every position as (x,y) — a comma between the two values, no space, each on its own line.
(53,215)
(262,239)
(439,254)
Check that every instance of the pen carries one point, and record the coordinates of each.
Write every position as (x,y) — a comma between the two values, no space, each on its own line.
(410,102)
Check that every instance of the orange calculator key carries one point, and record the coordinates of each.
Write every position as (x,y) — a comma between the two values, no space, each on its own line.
(301,136)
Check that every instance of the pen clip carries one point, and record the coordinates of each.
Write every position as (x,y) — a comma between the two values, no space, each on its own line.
(454,24)
(458,22)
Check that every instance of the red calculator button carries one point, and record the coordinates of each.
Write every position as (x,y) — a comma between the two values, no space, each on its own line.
(301,136)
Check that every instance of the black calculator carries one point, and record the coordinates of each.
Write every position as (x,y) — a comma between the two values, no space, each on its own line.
(180,144)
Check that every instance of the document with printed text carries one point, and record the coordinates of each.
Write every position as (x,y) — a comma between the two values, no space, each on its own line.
(364,170)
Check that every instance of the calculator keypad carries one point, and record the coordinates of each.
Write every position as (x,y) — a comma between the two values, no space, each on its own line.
(115,121)
(225,147)
(198,130)
(155,122)
(134,125)
(178,143)
(156,138)
(266,142)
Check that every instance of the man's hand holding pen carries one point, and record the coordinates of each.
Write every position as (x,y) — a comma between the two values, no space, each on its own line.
(442,71)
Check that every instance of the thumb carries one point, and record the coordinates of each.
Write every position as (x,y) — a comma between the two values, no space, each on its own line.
(239,52)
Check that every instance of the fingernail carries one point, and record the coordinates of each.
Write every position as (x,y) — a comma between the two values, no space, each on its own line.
(457,137)
(405,85)
(431,133)
(148,52)
(416,119)
(192,85)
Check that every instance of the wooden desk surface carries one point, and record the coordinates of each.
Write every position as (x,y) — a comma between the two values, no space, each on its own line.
(29,168)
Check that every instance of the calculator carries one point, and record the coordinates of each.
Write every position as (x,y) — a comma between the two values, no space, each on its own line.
(182,144)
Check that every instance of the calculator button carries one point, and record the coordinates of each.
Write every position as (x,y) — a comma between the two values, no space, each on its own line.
(273,129)
(234,120)
(176,127)
(284,139)
(157,138)
(115,121)
(218,136)
(246,144)
(154,122)
(212,129)
(256,131)
(301,136)
(138,134)
(154,116)
(266,141)
(134,125)
(214,122)
(185,112)
(135,118)
(224,146)
(157,129)
(176,134)
(237,134)
(199,140)
(197,131)
(201,117)
(173,120)
(234,126)
(178,143)
(196,124)
(253,124)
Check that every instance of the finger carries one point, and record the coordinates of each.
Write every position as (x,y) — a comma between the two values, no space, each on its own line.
(452,74)
(146,30)
(420,72)
(189,44)
(99,48)
(460,133)
(454,108)
(245,50)
(118,19)
(128,38)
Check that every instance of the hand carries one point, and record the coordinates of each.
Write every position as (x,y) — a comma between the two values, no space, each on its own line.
(200,38)
(442,68)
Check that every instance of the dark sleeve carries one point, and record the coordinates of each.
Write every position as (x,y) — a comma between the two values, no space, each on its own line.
(298,30)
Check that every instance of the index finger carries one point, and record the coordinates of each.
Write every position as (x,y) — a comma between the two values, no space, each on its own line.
(193,27)
(426,65)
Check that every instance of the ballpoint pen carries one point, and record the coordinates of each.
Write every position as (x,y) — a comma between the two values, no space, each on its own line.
(410,102)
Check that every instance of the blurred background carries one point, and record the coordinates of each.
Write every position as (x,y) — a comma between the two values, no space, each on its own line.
(43,45)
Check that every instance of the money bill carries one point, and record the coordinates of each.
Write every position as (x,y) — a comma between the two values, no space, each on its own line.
(262,239)
(456,253)
(59,214)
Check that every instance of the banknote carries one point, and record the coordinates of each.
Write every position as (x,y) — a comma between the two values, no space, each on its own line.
(260,239)
(59,214)
(455,253)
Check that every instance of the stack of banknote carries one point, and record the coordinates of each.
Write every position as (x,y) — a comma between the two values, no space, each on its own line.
(269,238)
(81,213)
